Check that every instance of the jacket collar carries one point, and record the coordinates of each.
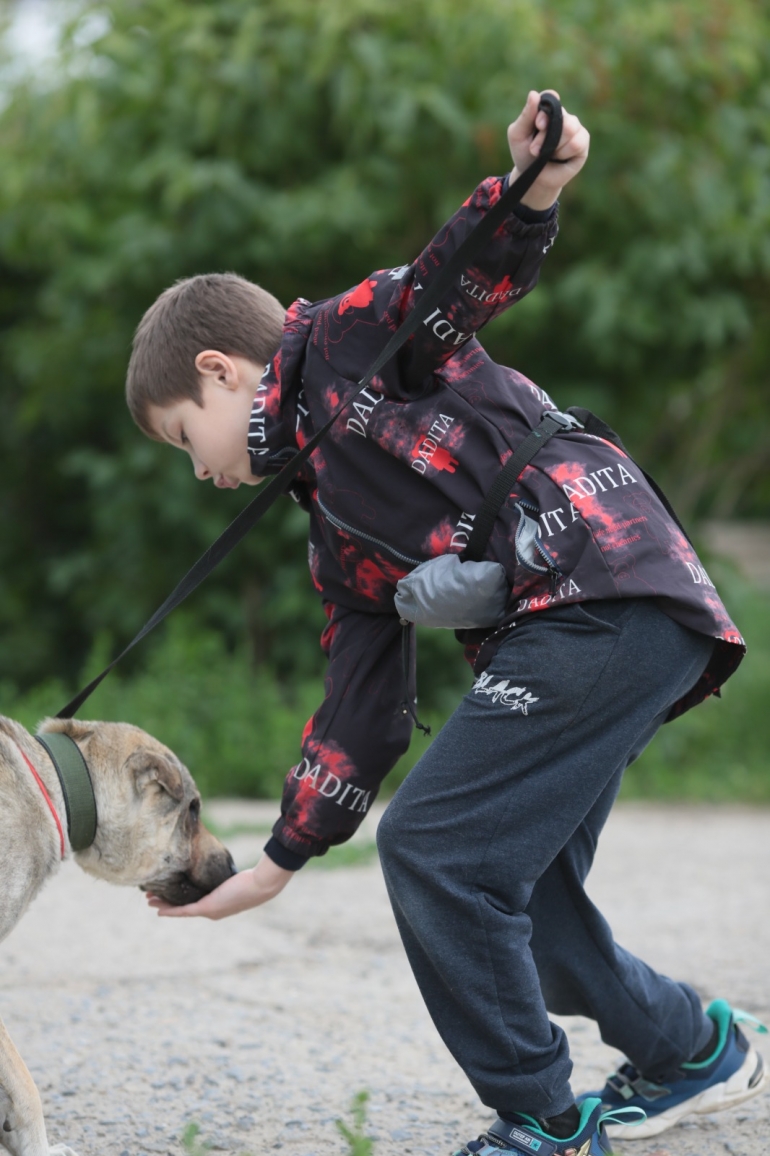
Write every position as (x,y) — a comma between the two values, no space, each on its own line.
(273,424)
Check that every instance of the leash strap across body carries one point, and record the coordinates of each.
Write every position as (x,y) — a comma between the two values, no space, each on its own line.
(553,422)
(473,244)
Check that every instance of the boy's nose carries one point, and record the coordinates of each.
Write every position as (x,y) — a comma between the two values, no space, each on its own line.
(201,472)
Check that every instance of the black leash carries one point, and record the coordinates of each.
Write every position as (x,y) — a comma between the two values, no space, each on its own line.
(258,507)
(553,422)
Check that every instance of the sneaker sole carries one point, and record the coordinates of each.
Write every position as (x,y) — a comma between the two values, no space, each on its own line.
(748,1081)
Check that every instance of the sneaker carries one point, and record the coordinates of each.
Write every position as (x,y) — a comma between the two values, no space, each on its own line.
(734,1072)
(526,1137)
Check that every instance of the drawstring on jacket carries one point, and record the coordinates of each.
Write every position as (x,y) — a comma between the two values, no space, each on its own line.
(407,706)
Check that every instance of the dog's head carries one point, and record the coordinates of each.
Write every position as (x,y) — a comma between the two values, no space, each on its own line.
(149,832)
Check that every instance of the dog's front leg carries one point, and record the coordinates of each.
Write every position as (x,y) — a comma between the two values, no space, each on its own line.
(22,1127)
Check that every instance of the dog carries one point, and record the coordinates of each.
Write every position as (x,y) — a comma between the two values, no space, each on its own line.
(140,817)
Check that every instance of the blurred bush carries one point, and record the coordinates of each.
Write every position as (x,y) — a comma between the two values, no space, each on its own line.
(302,144)
(719,751)
(237,727)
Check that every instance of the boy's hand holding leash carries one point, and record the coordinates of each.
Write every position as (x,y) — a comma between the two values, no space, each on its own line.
(525,139)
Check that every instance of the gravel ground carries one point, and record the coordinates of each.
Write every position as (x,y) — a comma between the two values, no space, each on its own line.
(261,1029)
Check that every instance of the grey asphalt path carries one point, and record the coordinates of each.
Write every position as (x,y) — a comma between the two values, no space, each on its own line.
(261,1028)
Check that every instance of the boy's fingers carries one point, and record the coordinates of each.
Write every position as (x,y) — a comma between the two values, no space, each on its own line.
(571,128)
(164,908)
(574,145)
(176,912)
(532,121)
(521,129)
(541,122)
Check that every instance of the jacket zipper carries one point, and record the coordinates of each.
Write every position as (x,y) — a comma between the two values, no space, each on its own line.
(551,569)
(367,537)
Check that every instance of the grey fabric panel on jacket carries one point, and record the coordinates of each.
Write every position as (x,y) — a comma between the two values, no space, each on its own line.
(453,595)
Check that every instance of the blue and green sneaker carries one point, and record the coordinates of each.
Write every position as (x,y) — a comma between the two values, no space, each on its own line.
(734,1072)
(525,1137)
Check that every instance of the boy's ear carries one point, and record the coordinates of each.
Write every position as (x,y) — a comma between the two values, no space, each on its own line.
(218,368)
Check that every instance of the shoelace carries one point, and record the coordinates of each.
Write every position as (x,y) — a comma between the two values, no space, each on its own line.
(744,1017)
(630,1115)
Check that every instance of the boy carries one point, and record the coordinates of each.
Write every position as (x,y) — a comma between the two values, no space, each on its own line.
(612,627)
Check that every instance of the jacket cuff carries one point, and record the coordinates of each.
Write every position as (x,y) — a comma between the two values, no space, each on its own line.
(534,216)
(530,216)
(282,856)
(297,843)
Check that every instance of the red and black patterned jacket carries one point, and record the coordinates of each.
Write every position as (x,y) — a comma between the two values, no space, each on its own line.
(399,479)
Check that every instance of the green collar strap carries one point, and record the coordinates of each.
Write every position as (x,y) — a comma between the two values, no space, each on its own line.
(76,786)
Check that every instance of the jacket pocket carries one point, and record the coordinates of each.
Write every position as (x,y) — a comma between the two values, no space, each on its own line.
(453,595)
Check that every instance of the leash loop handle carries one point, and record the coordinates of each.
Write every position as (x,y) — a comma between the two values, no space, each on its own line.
(551,105)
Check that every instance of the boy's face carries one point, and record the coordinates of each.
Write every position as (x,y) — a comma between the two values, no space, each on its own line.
(215,433)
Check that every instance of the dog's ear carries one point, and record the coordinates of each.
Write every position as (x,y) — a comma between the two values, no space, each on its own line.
(151,767)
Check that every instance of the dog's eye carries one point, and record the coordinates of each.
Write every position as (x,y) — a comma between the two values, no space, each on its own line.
(195,810)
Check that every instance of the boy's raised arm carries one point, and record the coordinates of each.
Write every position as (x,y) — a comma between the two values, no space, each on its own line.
(505,272)
(509,267)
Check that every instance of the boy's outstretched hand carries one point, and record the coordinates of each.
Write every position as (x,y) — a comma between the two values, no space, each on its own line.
(525,139)
(238,893)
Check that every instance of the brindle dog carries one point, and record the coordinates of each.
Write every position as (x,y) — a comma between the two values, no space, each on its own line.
(148,835)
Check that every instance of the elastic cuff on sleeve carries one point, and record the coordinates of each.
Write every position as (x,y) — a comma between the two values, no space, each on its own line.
(282,856)
(526,215)
(533,216)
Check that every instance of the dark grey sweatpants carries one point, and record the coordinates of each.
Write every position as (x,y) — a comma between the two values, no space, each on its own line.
(486,846)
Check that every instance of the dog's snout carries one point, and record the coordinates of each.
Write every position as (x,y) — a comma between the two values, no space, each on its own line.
(213,864)
(207,866)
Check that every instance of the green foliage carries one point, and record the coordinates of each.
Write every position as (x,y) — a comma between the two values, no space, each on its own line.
(359,1144)
(303,144)
(237,727)
(718,752)
(191,1143)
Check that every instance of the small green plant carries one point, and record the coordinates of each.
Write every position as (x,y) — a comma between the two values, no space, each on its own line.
(359,1144)
(190,1142)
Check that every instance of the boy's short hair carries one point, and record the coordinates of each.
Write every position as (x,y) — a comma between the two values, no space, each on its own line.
(219,311)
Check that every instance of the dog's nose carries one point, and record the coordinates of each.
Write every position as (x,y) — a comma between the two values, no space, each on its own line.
(231,864)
